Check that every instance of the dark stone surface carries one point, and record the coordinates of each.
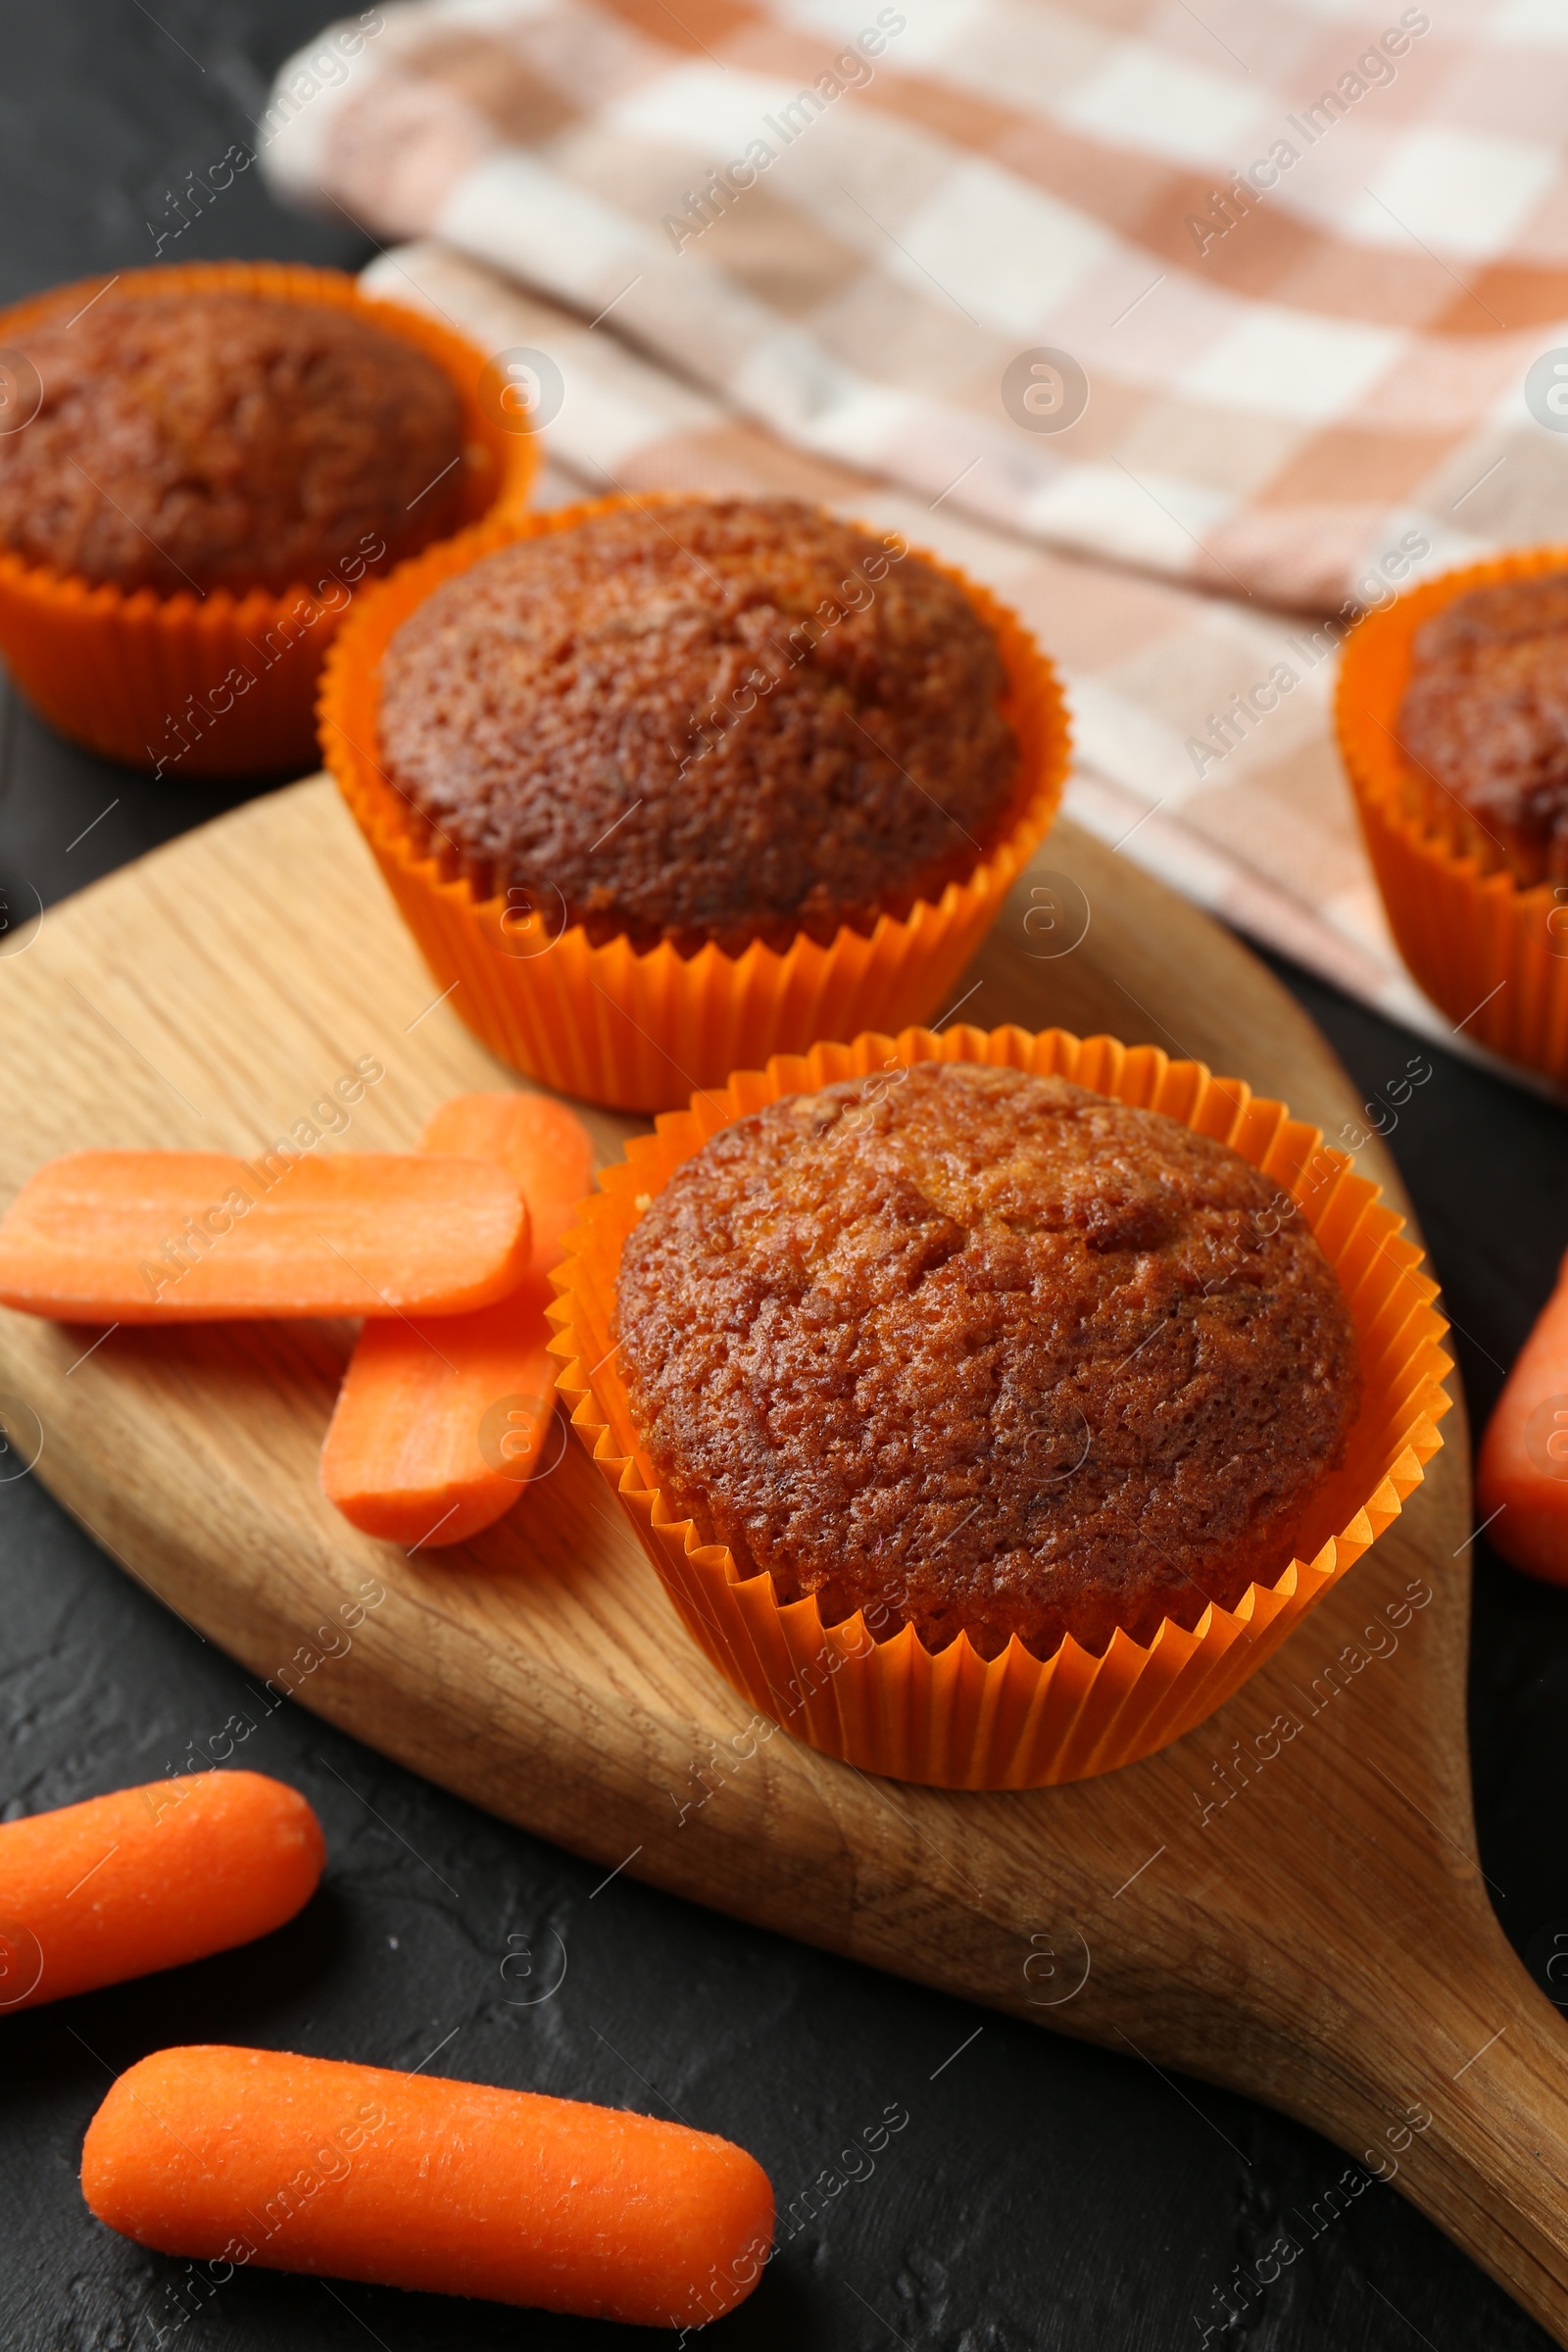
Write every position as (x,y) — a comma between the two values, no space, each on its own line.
(1041,2195)
(105,105)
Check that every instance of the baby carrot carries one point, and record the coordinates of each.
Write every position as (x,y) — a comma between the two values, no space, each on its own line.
(154,1237)
(147,1878)
(238,2156)
(1522,1473)
(440,1422)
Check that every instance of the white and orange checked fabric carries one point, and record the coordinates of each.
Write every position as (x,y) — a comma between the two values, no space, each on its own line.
(1320,396)
(1303,251)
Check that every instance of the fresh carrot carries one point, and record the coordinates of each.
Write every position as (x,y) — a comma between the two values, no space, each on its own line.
(148,1878)
(156,1237)
(237,2156)
(1522,1474)
(441,1422)
(538,1140)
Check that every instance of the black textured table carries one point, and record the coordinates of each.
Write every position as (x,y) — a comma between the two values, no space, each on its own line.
(1042,2195)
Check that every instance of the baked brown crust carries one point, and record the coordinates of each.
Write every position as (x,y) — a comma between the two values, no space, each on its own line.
(224,440)
(1485,722)
(985,1352)
(671,721)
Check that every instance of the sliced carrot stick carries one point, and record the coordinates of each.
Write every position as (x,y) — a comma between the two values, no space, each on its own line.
(156,1237)
(439,1423)
(239,2156)
(149,1878)
(1522,1473)
(537,1140)
(438,1427)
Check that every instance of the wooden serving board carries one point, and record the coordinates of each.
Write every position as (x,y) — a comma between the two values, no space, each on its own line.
(1287,1902)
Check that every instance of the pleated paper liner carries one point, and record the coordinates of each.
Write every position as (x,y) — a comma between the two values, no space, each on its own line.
(952,1718)
(222,684)
(1491,952)
(641,1031)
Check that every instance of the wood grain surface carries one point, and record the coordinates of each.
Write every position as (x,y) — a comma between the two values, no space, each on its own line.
(1287,1902)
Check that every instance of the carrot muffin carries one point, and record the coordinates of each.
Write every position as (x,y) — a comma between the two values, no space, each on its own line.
(706,720)
(227,440)
(1484,723)
(989,1353)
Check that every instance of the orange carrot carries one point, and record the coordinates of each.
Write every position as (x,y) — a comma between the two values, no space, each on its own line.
(155,1237)
(537,1140)
(1522,1474)
(147,1878)
(238,2156)
(440,1423)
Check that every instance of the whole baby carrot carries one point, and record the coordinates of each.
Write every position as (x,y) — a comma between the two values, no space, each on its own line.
(149,1878)
(307,2164)
(1522,1473)
(441,1421)
(156,1237)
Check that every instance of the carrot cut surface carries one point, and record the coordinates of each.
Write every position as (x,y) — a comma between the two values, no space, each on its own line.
(1522,1471)
(441,1422)
(241,2156)
(156,1237)
(147,1878)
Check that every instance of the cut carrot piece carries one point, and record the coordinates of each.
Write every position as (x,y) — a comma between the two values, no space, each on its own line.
(353,2171)
(179,1237)
(147,1878)
(1522,1471)
(439,1423)
(537,1140)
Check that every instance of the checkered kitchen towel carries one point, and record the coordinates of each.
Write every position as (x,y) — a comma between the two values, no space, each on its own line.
(1292,395)
(1243,292)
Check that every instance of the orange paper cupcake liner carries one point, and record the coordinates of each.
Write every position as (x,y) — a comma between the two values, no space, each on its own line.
(949,1717)
(1491,953)
(222,684)
(642,1031)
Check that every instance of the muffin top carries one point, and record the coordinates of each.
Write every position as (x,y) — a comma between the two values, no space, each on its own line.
(720,720)
(227,440)
(985,1351)
(1485,714)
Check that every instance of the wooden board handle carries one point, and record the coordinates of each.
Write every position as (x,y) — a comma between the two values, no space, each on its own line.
(1465,2098)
